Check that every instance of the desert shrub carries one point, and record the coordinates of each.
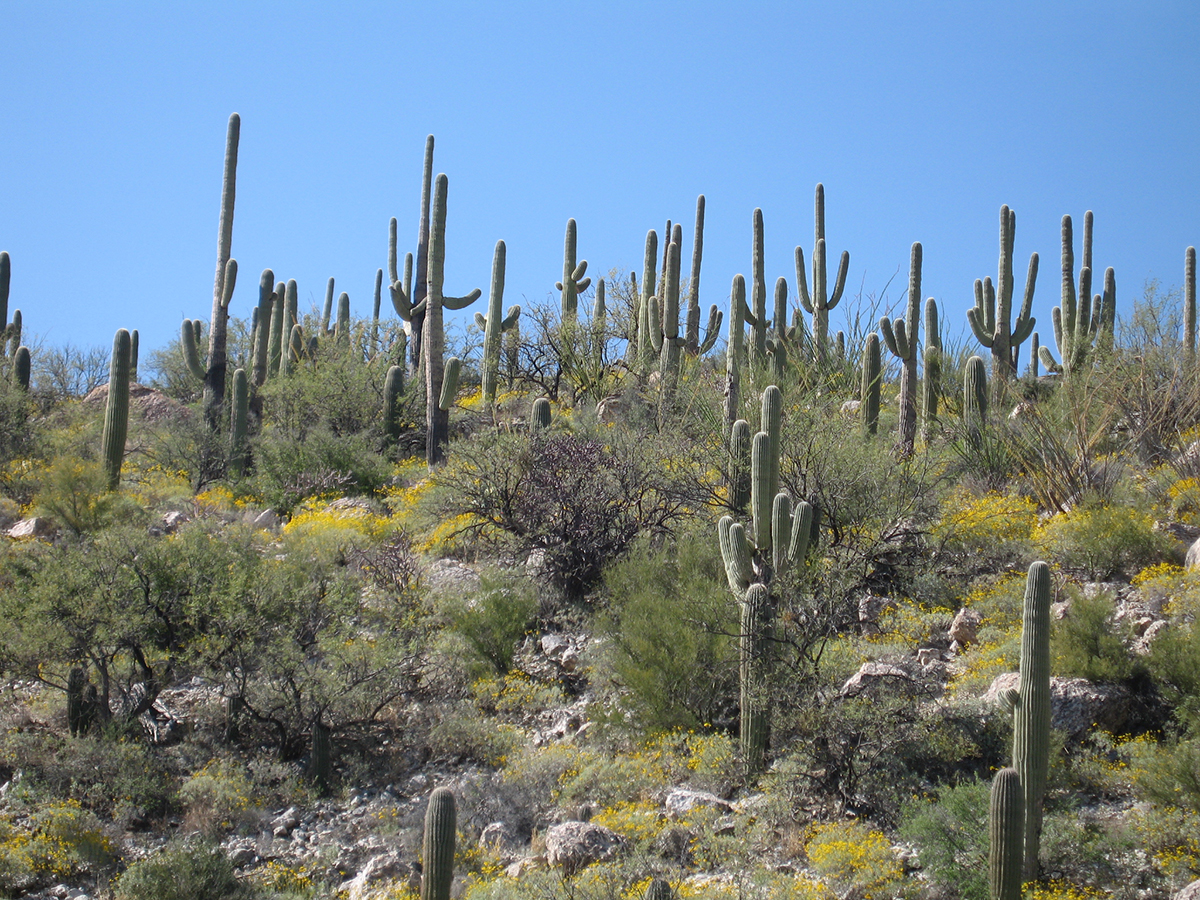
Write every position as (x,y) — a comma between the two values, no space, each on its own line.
(75,494)
(988,530)
(950,833)
(493,620)
(670,624)
(58,840)
(217,797)
(1087,642)
(181,871)
(1174,664)
(853,855)
(1170,837)
(1103,541)
(288,470)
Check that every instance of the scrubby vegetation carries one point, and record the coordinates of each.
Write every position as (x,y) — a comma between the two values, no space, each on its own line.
(595,561)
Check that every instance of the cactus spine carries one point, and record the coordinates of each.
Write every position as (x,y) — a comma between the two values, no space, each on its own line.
(437,853)
(872,381)
(214,376)
(989,319)
(1006,824)
(1081,320)
(437,418)
(931,387)
(573,281)
(1189,304)
(820,301)
(902,338)
(494,326)
(116,411)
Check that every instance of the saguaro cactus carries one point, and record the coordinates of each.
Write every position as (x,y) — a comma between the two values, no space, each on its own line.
(573,281)
(668,341)
(735,351)
(1030,707)
(204,370)
(1006,835)
(437,853)
(393,389)
(692,325)
(902,339)
(1080,320)
(757,316)
(214,376)
(238,447)
(540,414)
(263,331)
(975,398)
(410,301)
(931,387)
(820,301)
(990,317)
(22,366)
(494,326)
(437,418)
(645,344)
(872,380)
(1189,304)
(10,336)
(116,410)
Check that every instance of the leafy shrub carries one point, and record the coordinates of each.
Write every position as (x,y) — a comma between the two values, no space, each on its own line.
(217,797)
(1174,663)
(951,837)
(61,839)
(492,621)
(1103,541)
(181,871)
(990,529)
(854,855)
(1087,643)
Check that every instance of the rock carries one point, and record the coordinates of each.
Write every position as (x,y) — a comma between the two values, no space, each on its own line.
(38,527)
(870,607)
(872,676)
(172,520)
(682,801)
(154,406)
(498,840)
(570,660)
(1191,892)
(554,646)
(524,866)
(1142,647)
(927,656)
(574,845)
(384,867)
(448,577)
(1192,561)
(286,822)
(1076,704)
(674,844)
(617,408)
(851,407)
(268,520)
(965,628)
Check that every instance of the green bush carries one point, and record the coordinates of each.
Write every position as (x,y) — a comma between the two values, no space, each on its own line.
(1087,643)
(950,833)
(494,620)
(1103,541)
(181,871)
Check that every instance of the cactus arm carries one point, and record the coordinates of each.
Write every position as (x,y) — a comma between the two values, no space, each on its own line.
(740,441)
(781,532)
(802,526)
(802,283)
(771,424)
(760,496)
(493,326)
(982,317)
(755,676)
(872,378)
(933,333)
(734,352)
(712,330)
(839,284)
(450,383)
(393,388)
(327,308)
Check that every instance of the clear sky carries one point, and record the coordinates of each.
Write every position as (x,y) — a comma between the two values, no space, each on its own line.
(920,119)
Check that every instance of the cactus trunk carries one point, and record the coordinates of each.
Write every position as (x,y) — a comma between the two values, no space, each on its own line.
(116,412)
(437,853)
(1006,823)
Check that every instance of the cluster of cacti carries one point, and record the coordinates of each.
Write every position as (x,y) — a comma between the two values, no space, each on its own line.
(10,336)
(409,299)
(494,326)
(902,338)
(437,851)
(778,541)
(1081,321)
(116,411)
(990,317)
(820,301)
(573,281)
(437,420)
(1029,704)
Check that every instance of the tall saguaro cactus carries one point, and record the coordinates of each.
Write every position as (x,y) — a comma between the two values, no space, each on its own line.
(437,418)
(116,410)
(692,325)
(989,319)
(820,301)
(735,352)
(757,317)
(902,338)
(1029,704)
(1080,320)
(872,381)
(931,386)
(646,322)
(437,853)
(494,326)
(573,281)
(1006,835)
(1189,304)
(10,332)
(214,376)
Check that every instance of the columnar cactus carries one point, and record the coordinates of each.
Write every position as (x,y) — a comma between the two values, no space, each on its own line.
(327,308)
(1080,320)
(1029,704)
(22,366)
(1034,347)
(375,307)
(393,389)
(668,342)
(692,326)
(758,294)
(820,301)
(437,419)
(1006,835)
(437,853)
(410,302)
(320,760)
(740,441)
(401,289)
(975,398)
(872,381)
(645,345)
(206,370)
(214,375)
(116,411)
(450,377)
(76,708)
(540,415)
(735,351)
(931,387)
(238,447)
(902,338)
(494,326)
(989,319)
(1189,304)
(5,279)
(754,666)
(263,331)
(573,281)
(658,889)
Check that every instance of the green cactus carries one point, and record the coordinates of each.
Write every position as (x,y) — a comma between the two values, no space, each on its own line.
(494,326)
(757,317)
(1081,321)
(437,418)
(735,352)
(754,679)
(214,375)
(872,382)
(401,290)
(450,378)
(740,441)
(658,889)
(573,281)
(1006,826)
(668,341)
(327,308)
(133,356)
(76,682)
(692,324)
(1030,708)
(411,305)
(5,279)
(902,338)
(990,317)
(393,390)
(931,386)
(1189,304)
(22,366)
(206,369)
(645,352)
(437,853)
(262,333)
(975,398)
(238,447)
(820,301)
(116,411)
(279,334)
(1034,347)
(341,332)
(14,334)
(320,760)
(375,307)
(540,415)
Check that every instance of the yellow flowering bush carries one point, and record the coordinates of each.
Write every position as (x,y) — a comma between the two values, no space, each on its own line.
(854,855)
(62,838)
(1102,540)
(990,526)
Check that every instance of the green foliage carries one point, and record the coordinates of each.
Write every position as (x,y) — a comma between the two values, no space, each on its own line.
(181,871)
(668,623)
(950,833)
(495,619)
(853,855)
(1087,643)
(1103,540)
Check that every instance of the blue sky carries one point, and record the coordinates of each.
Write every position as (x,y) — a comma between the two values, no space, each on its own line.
(920,119)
